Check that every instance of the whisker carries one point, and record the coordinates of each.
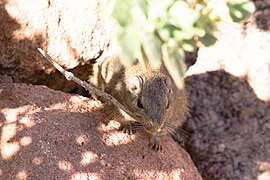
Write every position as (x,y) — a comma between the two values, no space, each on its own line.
(178,137)
(183,133)
(176,127)
(172,129)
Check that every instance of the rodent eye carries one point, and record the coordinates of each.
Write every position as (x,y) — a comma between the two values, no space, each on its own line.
(139,104)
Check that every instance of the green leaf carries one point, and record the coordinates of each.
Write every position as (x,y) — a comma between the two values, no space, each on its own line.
(168,31)
(239,10)
(143,58)
(208,39)
(174,61)
(139,17)
(129,44)
(144,6)
(206,24)
(188,45)
(151,46)
(181,15)
(188,33)
(219,9)
(158,9)
(122,11)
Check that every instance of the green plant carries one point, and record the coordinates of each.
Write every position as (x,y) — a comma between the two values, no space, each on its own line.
(156,30)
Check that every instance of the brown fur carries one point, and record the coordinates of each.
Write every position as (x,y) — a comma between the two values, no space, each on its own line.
(149,92)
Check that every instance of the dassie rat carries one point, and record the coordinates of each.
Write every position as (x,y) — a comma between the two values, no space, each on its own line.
(148,92)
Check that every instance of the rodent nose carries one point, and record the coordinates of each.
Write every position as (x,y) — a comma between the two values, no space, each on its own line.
(152,127)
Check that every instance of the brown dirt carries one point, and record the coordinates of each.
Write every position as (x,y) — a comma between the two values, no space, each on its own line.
(231,127)
(262,14)
(48,134)
(229,89)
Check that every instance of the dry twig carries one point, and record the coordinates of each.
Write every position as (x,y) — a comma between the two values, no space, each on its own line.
(70,77)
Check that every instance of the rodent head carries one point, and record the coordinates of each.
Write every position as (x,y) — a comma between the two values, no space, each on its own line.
(151,98)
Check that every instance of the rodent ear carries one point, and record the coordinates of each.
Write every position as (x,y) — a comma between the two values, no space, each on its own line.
(135,84)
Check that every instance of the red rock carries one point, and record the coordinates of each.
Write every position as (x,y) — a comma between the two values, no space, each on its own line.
(48,134)
(72,32)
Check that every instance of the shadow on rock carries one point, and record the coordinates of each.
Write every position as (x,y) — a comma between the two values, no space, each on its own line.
(18,58)
(262,13)
(230,125)
(48,134)
(21,62)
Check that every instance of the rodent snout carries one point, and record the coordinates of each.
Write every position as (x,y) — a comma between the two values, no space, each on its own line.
(152,127)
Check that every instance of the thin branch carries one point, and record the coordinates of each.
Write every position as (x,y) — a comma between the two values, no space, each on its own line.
(70,77)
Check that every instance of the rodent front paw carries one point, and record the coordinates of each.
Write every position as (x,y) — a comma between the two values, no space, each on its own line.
(127,129)
(156,147)
(155,143)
